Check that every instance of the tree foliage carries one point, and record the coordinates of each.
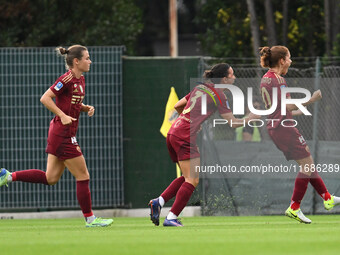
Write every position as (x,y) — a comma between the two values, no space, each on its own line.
(227,27)
(64,22)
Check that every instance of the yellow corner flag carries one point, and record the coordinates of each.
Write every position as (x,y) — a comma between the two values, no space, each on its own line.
(170,113)
(169,117)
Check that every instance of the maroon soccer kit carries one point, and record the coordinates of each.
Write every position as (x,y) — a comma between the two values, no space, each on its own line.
(287,139)
(70,93)
(181,138)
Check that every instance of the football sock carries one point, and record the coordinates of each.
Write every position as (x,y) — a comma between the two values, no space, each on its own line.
(90,219)
(31,175)
(84,198)
(319,186)
(172,189)
(161,201)
(171,216)
(183,195)
(301,185)
(294,205)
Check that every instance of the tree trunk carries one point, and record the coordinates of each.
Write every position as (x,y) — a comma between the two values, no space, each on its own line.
(335,19)
(270,23)
(254,26)
(328,29)
(285,23)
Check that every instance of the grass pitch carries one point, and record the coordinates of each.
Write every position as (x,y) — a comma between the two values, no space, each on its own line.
(201,235)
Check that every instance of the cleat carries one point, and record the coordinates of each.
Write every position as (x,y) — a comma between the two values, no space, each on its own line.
(172,223)
(330,203)
(99,222)
(155,211)
(3,177)
(297,215)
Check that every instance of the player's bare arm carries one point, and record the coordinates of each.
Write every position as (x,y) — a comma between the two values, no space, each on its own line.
(47,100)
(179,106)
(235,122)
(88,108)
(297,112)
(315,97)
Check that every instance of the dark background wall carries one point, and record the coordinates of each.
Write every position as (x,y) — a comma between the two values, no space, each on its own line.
(148,168)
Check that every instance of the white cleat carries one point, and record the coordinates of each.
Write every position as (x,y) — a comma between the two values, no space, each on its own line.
(297,215)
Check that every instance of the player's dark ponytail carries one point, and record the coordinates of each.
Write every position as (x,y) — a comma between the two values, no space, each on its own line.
(217,71)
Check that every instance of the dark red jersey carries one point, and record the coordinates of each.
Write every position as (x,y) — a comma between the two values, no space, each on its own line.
(269,81)
(189,122)
(70,93)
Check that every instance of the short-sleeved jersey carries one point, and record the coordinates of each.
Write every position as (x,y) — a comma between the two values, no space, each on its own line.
(188,124)
(269,81)
(70,93)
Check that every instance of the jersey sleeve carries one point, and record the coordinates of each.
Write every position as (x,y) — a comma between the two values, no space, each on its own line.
(59,87)
(223,105)
(187,96)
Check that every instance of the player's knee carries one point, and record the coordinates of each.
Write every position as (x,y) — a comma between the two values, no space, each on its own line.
(193,181)
(83,176)
(196,181)
(52,180)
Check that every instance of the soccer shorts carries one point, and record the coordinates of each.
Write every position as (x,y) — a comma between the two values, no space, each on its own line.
(181,150)
(290,142)
(63,147)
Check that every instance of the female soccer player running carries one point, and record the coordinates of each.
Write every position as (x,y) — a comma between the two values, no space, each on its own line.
(181,140)
(62,147)
(288,139)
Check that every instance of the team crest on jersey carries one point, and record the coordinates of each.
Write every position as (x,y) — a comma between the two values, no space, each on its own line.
(58,86)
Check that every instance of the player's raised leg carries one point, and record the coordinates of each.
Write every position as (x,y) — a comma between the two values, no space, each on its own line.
(5,177)
(54,171)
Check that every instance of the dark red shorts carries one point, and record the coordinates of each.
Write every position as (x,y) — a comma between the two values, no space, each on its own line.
(290,142)
(181,150)
(63,147)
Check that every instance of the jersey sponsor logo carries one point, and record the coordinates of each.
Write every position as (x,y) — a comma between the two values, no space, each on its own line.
(77,99)
(58,86)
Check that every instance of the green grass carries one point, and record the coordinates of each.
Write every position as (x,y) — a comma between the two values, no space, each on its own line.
(201,235)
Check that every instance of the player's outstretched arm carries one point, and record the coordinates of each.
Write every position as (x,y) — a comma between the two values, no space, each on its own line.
(315,97)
